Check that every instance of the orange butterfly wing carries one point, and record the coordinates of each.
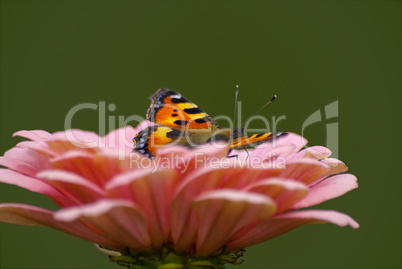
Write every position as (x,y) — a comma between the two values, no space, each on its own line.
(169,108)
(153,137)
(177,118)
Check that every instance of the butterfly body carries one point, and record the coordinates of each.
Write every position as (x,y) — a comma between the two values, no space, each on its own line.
(182,122)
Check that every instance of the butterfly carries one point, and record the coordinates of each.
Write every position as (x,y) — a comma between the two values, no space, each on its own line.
(182,122)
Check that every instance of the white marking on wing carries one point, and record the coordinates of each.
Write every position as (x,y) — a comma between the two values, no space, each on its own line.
(176,96)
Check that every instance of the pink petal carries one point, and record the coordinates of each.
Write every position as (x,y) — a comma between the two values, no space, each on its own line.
(30,157)
(217,149)
(33,184)
(61,146)
(323,216)
(183,219)
(328,189)
(41,148)
(291,139)
(77,136)
(285,193)
(73,186)
(273,153)
(336,165)
(108,164)
(305,170)
(274,227)
(25,161)
(316,152)
(79,162)
(172,152)
(186,161)
(136,160)
(175,157)
(17,165)
(222,213)
(73,139)
(152,191)
(34,216)
(120,220)
(120,140)
(184,223)
(38,136)
(240,154)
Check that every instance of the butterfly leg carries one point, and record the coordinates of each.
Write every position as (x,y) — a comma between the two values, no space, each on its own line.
(232,156)
(248,154)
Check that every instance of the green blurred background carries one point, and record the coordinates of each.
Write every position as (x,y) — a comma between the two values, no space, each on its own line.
(57,54)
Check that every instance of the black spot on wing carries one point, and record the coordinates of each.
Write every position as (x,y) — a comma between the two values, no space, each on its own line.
(194,110)
(270,138)
(180,122)
(202,120)
(175,134)
(174,115)
(158,102)
(259,135)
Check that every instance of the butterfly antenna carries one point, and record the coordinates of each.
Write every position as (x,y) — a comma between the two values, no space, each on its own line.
(261,108)
(235,105)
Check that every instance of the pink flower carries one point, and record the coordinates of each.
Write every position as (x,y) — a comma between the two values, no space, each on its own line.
(193,202)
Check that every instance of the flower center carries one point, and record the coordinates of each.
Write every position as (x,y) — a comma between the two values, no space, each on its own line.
(168,259)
